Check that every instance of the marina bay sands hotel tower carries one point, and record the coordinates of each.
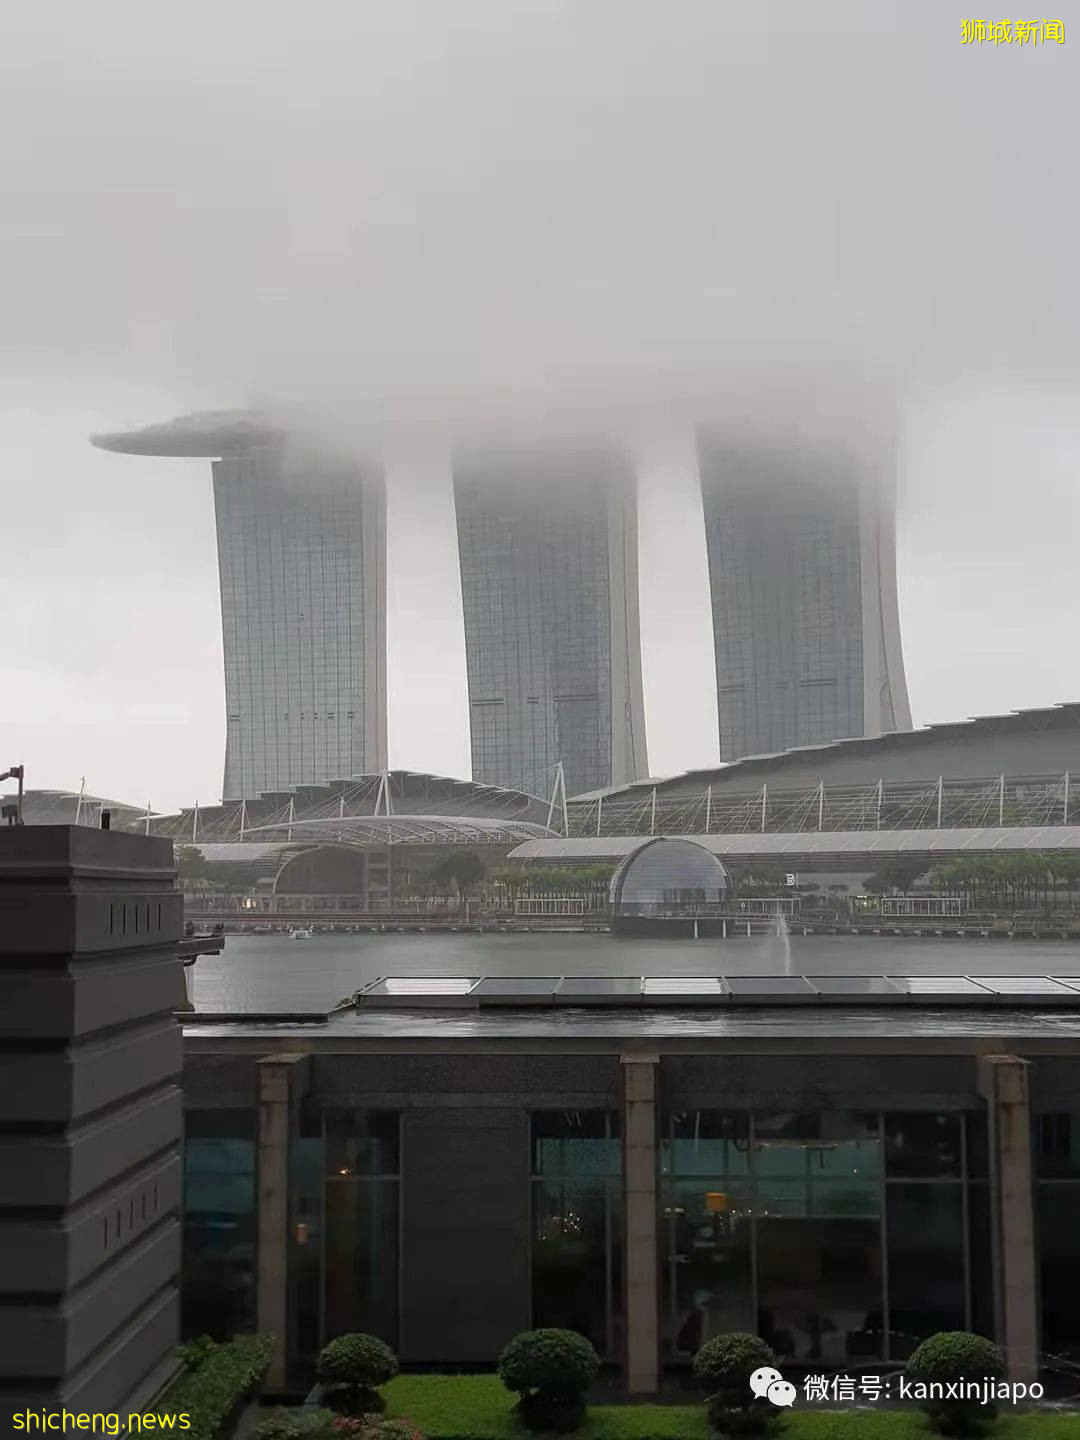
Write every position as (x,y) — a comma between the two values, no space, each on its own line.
(302,567)
(801,580)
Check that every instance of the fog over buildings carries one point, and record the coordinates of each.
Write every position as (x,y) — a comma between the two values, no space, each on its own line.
(414,221)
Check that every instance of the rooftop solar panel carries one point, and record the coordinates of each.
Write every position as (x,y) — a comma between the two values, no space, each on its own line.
(843,987)
(516,990)
(682,985)
(942,989)
(771,989)
(1012,986)
(684,990)
(419,991)
(612,990)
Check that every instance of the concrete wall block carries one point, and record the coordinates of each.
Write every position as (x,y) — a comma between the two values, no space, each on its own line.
(117,1371)
(524,1076)
(79,998)
(219,1080)
(50,1088)
(59,1170)
(52,1341)
(48,921)
(48,1256)
(818,1081)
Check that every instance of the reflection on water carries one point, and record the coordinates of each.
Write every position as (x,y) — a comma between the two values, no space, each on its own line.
(272,972)
(780,949)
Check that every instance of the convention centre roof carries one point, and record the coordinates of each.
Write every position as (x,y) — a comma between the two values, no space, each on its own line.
(1065,716)
(822,847)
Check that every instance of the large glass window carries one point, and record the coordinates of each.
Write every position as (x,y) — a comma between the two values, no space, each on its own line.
(838,1236)
(824,1164)
(361,1194)
(818,1198)
(923,1144)
(1057,1161)
(707,1221)
(926,1262)
(819,1288)
(577,1224)
(218,1292)
(307,1165)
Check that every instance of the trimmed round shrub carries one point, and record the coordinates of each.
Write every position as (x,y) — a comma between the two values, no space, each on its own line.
(951,1357)
(724,1366)
(551,1371)
(351,1368)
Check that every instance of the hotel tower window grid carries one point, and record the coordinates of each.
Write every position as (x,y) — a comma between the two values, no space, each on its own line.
(536,596)
(291,549)
(785,580)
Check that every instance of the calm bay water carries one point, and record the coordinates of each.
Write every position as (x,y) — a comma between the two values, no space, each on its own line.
(274,973)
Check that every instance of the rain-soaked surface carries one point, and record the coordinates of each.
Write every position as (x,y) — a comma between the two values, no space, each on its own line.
(596,1027)
(272,973)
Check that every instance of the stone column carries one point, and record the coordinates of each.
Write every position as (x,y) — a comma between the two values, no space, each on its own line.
(279,1087)
(642,1265)
(1003,1083)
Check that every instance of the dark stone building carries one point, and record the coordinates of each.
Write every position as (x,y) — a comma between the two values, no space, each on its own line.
(90,1118)
(843,1174)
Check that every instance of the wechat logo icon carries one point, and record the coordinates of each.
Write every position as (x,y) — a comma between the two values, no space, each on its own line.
(769,1384)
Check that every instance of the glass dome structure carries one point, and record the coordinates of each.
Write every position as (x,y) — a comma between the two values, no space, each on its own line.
(668,879)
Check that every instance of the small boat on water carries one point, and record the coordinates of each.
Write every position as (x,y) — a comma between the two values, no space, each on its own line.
(300,933)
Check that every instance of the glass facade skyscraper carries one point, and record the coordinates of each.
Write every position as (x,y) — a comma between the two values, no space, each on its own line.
(549,587)
(803,586)
(302,567)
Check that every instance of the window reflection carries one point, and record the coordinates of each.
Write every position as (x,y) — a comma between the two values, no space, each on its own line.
(1057,1145)
(708,1272)
(576,1142)
(1057,1161)
(819,1288)
(360,1265)
(218,1287)
(577,1225)
(780,1221)
(922,1143)
(306,1164)
(1059,1206)
(708,1142)
(926,1263)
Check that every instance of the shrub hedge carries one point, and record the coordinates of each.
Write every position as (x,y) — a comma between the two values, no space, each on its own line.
(218,1378)
(284,1424)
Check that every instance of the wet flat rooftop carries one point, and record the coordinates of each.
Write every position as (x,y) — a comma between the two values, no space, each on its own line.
(791,1012)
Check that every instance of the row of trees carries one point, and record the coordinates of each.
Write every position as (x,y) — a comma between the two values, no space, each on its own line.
(1010,881)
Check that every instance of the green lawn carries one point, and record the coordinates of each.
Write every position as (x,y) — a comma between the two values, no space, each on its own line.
(476,1407)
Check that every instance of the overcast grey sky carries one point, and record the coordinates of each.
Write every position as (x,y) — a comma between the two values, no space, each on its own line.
(412,213)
